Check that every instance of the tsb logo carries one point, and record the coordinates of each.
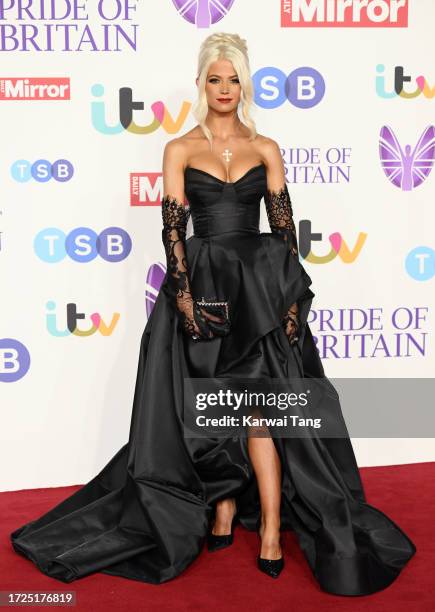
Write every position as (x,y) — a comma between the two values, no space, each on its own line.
(303,87)
(420,263)
(82,244)
(14,360)
(42,170)
(344,13)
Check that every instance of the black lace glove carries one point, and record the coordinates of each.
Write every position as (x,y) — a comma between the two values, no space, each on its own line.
(198,322)
(291,323)
(280,216)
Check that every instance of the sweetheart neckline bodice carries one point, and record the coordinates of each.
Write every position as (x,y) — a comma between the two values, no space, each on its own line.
(216,178)
(219,207)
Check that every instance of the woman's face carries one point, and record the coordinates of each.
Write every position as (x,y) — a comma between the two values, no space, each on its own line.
(222,86)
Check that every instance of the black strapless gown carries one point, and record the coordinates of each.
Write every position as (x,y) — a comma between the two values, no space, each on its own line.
(145,516)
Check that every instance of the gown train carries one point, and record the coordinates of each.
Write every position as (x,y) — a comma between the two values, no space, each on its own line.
(145,515)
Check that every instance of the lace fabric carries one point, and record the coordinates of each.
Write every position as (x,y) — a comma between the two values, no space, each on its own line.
(280,216)
(175,216)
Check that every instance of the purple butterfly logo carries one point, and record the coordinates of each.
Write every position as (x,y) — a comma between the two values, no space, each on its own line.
(203,13)
(404,168)
(155,276)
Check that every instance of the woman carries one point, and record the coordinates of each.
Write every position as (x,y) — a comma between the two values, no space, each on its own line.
(233,304)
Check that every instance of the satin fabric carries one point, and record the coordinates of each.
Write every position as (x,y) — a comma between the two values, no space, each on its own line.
(145,515)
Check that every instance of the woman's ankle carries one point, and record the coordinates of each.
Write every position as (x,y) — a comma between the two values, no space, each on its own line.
(225,512)
(270,535)
(270,524)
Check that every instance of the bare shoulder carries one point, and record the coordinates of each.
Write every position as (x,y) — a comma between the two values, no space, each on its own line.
(271,154)
(175,151)
(179,149)
(268,149)
(173,168)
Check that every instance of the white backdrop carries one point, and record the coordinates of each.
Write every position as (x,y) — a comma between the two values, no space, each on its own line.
(67,414)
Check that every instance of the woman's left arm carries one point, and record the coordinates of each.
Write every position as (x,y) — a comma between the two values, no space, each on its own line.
(280,216)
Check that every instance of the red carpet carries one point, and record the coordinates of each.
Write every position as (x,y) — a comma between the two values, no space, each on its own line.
(229,579)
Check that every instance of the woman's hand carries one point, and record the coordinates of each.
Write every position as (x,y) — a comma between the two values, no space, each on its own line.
(210,324)
(292,324)
(198,323)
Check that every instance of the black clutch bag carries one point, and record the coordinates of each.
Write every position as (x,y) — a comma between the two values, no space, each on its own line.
(218,309)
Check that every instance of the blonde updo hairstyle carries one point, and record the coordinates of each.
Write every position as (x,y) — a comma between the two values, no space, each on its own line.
(233,48)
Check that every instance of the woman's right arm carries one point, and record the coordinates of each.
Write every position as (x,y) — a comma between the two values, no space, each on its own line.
(175,216)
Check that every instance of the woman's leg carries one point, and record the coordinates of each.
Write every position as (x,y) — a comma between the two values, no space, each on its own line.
(267,467)
(225,511)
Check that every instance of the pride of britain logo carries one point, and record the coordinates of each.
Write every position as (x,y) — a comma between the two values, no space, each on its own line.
(203,13)
(407,167)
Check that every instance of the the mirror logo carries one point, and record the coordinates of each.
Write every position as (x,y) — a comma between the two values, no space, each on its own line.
(344,13)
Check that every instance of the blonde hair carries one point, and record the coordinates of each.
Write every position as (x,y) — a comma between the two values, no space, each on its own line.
(233,48)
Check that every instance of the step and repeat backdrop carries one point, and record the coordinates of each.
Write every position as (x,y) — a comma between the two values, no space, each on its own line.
(90,92)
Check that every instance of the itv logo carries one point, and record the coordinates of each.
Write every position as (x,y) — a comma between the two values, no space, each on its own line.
(72,319)
(124,109)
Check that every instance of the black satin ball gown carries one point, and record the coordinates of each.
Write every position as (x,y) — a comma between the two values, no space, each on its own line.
(146,514)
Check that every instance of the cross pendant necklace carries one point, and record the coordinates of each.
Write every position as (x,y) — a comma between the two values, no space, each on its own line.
(227,155)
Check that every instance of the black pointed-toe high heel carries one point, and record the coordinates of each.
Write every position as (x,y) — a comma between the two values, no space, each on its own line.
(218,542)
(271,567)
